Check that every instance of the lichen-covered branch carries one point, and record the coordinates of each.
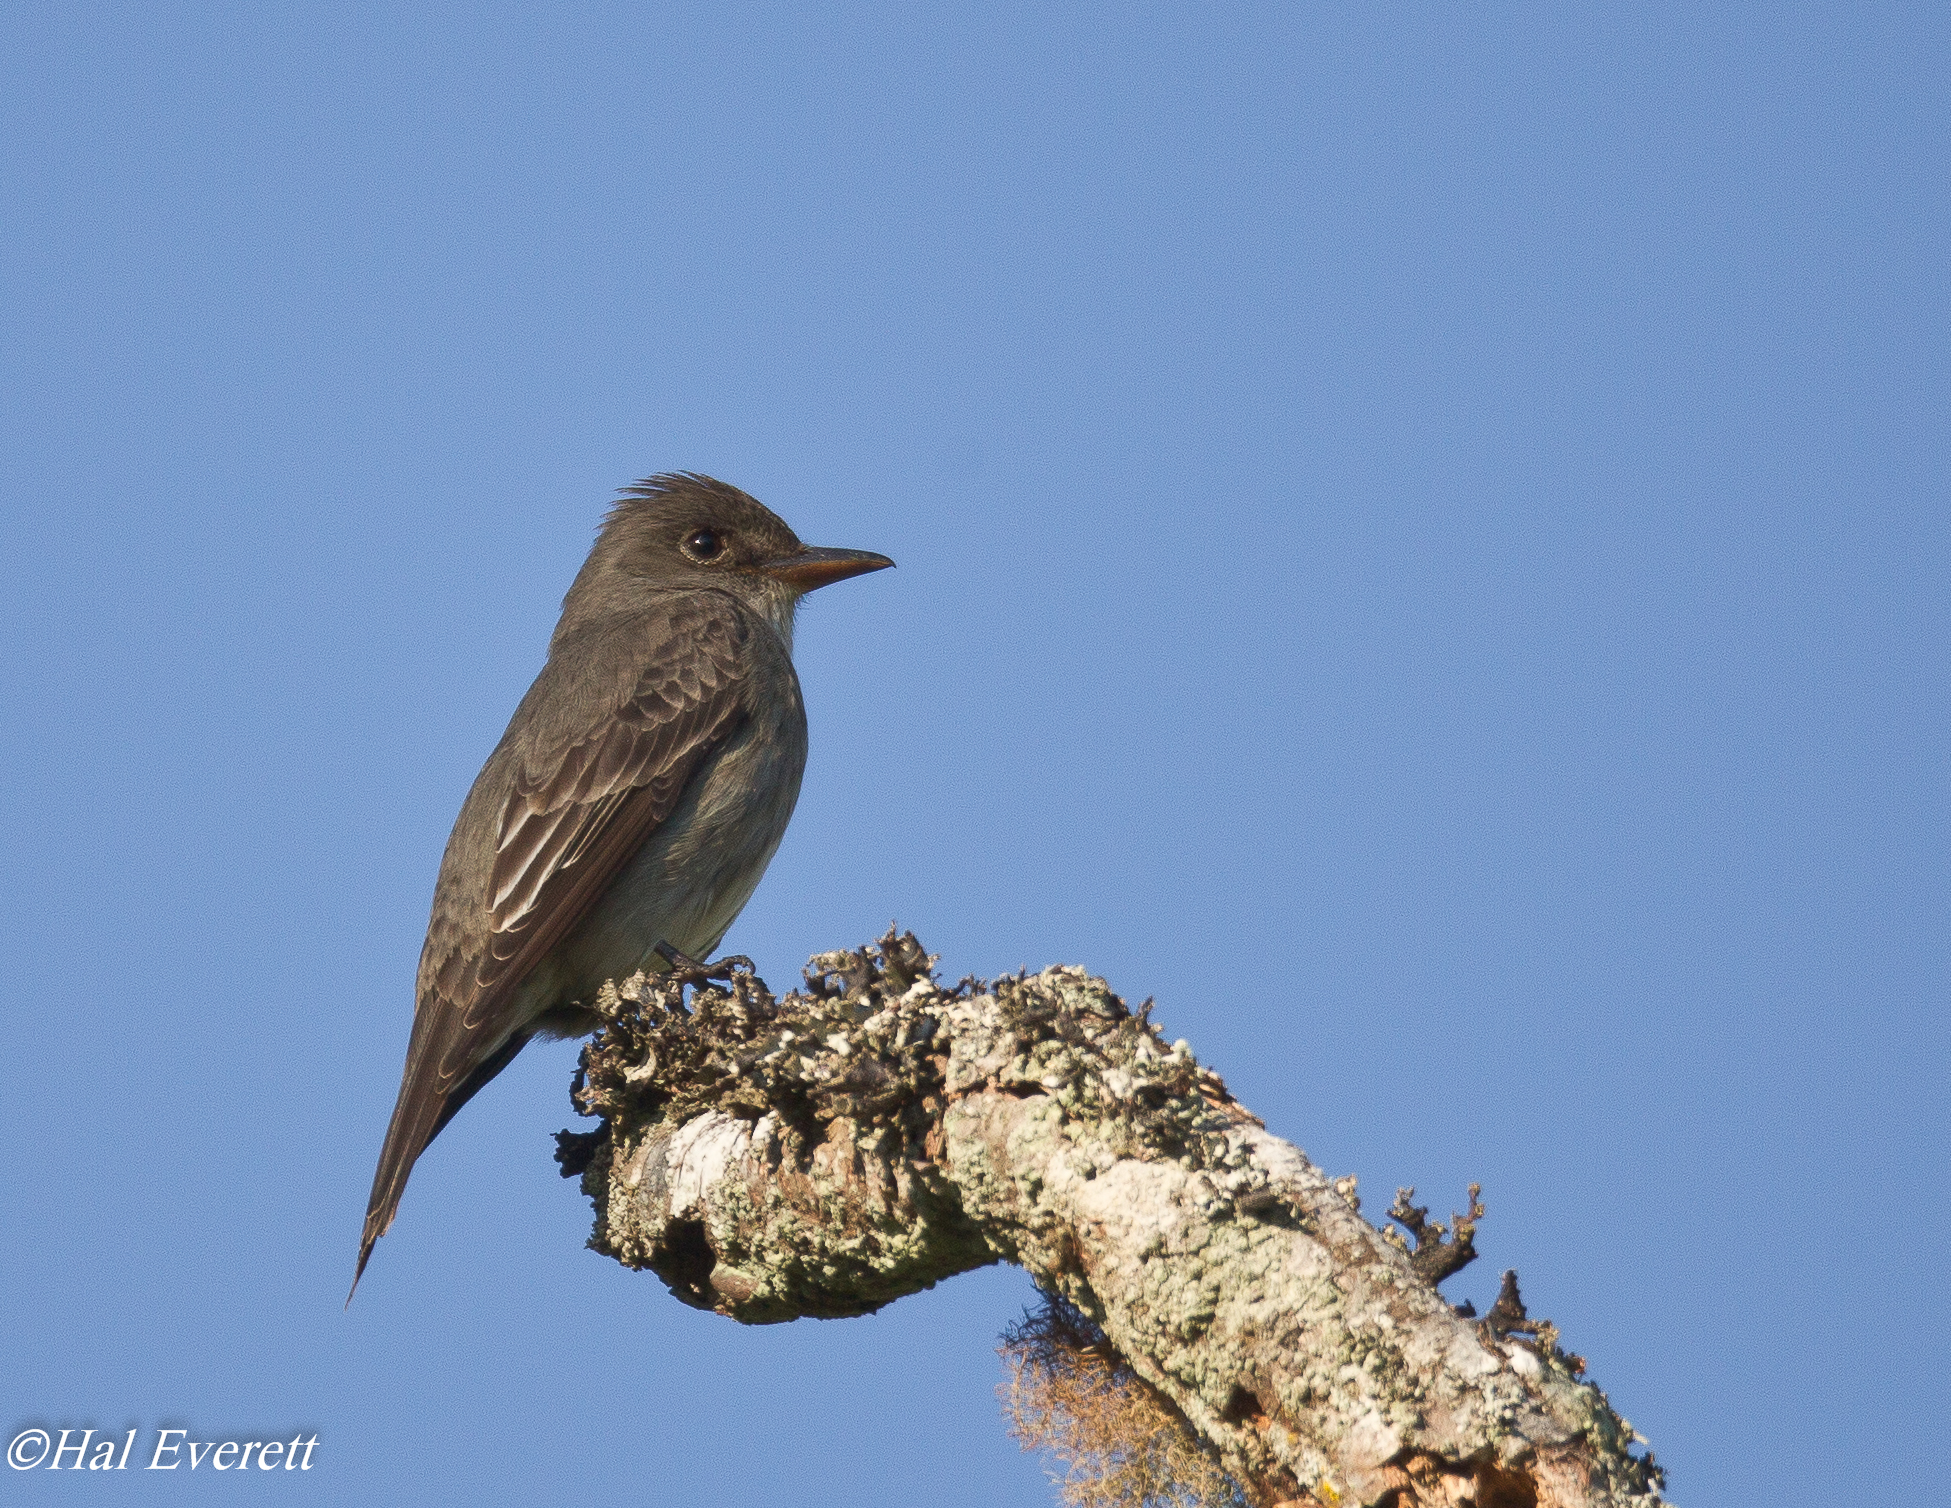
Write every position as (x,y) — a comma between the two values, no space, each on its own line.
(825,1153)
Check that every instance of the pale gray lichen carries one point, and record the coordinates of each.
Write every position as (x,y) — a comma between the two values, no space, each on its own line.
(828,1152)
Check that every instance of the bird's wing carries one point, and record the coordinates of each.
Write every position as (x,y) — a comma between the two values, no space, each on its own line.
(584,798)
(580,811)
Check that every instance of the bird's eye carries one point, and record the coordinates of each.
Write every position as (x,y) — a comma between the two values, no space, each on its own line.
(704,544)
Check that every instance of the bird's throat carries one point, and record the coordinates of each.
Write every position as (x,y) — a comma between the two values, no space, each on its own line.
(780,603)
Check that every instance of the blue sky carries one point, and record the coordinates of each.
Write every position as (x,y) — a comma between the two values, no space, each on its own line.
(1448,515)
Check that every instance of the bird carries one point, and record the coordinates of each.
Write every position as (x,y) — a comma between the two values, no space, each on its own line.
(632,805)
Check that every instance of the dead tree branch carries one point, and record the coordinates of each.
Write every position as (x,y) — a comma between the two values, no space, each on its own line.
(825,1153)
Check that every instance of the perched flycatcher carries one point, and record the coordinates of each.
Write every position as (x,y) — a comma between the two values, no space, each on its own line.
(639,793)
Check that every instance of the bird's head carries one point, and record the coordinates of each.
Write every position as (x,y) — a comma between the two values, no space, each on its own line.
(680,530)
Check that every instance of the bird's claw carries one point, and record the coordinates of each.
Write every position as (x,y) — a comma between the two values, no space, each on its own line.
(686,970)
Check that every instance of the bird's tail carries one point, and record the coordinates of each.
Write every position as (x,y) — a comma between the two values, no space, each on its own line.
(414,1124)
(419,1115)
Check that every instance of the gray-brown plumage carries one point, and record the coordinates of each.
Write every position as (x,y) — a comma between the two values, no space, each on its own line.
(639,793)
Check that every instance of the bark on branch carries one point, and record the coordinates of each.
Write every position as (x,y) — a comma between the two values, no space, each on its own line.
(864,1138)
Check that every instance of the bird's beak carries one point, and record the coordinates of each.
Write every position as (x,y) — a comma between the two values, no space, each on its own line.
(816,568)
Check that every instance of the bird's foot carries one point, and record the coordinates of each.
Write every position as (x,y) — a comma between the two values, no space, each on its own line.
(685,970)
